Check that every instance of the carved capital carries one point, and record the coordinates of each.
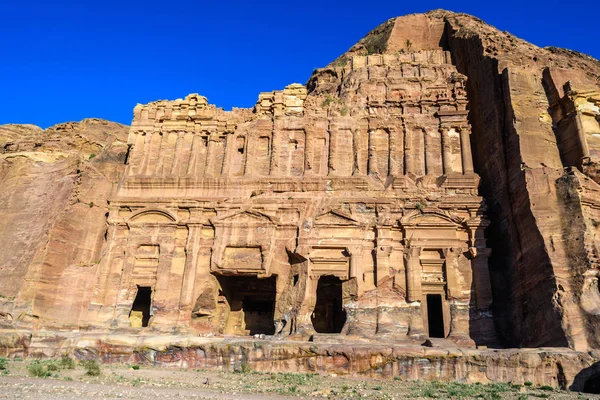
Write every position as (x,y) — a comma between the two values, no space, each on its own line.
(453,252)
(412,251)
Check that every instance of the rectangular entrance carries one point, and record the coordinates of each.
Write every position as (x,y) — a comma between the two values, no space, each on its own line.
(251,304)
(329,315)
(140,310)
(435,316)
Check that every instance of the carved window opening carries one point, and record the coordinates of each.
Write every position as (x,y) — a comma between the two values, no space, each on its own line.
(329,316)
(140,310)
(435,316)
(251,303)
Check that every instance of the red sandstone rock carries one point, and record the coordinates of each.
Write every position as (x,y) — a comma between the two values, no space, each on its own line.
(355,204)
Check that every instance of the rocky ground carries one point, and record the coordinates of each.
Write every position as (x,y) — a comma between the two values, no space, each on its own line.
(67,380)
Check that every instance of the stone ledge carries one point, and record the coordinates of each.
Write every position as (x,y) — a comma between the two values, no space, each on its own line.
(556,367)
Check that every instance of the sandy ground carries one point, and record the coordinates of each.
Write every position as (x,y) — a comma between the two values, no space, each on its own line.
(127,382)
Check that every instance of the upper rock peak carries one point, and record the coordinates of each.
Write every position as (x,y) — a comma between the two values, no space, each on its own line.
(407,33)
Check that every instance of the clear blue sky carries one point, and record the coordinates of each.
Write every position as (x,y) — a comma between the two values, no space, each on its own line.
(68,60)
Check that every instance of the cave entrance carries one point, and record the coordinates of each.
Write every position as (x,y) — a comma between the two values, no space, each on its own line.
(251,304)
(592,385)
(140,310)
(435,316)
(329,315)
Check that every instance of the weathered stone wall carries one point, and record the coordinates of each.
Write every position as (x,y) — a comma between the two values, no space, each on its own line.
(515,90)
(560,368)
(367,177)
(56,184)
(352,205)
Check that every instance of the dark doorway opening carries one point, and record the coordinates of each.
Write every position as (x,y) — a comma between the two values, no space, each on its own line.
(142,303)
(435,316)
(329,315)
(592,385)
(251,304)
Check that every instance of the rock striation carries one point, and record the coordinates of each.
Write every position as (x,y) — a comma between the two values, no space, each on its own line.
(55,186)
(437,180)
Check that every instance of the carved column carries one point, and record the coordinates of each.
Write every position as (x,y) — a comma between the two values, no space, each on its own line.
(169,250)
(210,155)
(309,150)
(383,262)
(409,162)
(372,157)
(177,159)
(164,143)
(353,272)
(147,150)
(228,154)
(186,301)
(481,277)
(413,273)
(451,254)
(446,151)
(428,150)
(465,147)
(201,151)
(395,160)
(419,151)
(191,167)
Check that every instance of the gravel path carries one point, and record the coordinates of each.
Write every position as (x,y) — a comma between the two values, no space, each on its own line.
(51,389)
(118,381)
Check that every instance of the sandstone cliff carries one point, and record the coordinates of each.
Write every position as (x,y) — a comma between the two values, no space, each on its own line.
(55,185)
(534,112)
(354,175)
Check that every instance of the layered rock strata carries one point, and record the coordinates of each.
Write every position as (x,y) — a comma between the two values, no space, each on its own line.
(358,204)
(348,211)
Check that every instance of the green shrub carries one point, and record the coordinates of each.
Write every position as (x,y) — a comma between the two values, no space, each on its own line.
(330,99)
(92,368)
(245,367)
(92,156)
(66,362)
(51,366)
(136,367)
(37,369)
(428,392)
(528,384)
(3,364)
(546,387)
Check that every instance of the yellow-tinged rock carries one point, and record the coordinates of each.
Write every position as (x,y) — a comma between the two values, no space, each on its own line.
(135,318)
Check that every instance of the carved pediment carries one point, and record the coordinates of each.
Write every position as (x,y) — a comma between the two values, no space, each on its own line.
(335,217)
(244,217)
(431,218)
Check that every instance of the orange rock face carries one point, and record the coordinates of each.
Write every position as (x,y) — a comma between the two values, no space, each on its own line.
(439,179)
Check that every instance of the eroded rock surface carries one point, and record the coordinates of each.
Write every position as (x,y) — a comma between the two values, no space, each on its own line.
(55,187)
(439,179)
